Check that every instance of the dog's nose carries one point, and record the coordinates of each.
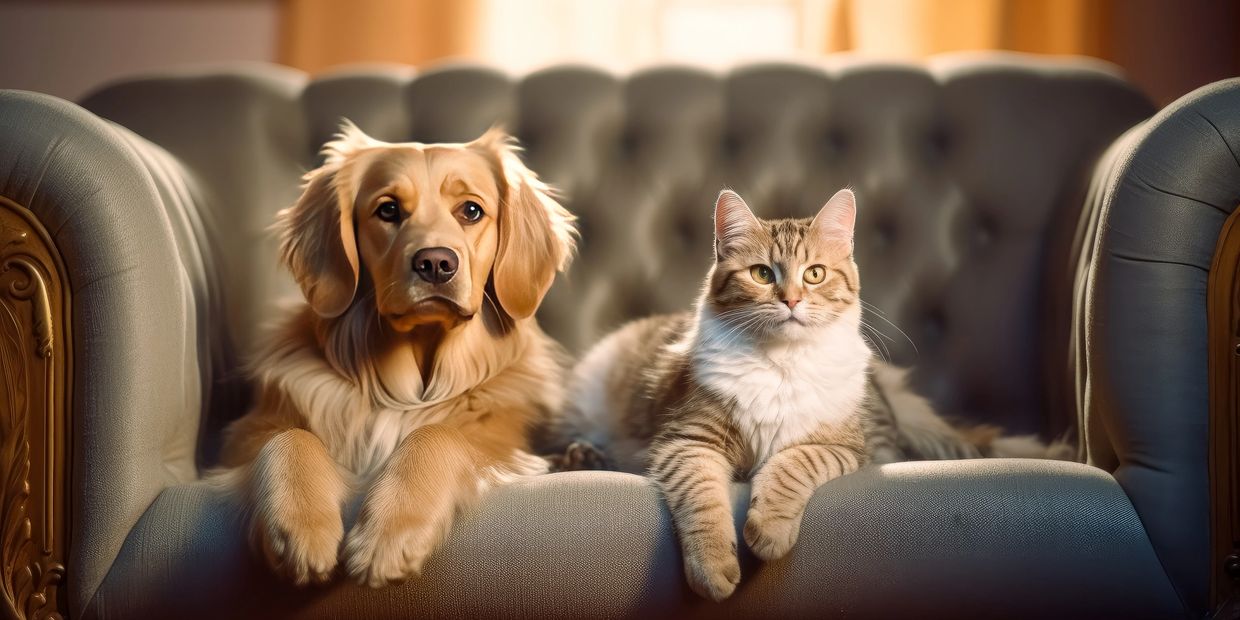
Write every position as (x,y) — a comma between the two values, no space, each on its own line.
(435,265)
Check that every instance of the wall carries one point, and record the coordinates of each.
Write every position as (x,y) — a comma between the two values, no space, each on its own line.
(68,48)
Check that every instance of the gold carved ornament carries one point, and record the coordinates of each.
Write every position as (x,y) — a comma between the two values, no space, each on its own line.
(34,417)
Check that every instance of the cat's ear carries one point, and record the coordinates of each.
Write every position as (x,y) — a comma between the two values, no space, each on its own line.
(733,220)
(837,218)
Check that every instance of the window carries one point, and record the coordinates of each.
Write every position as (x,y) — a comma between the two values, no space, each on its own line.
(522,35)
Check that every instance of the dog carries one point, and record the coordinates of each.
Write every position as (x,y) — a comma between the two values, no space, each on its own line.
(414,369)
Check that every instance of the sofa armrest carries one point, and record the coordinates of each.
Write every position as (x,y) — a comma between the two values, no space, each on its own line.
(102,371)
(1149,356)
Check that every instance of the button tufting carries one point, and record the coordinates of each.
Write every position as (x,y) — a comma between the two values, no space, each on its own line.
(836,142)
(984,232)
(628,142)
(686,227)
(934,325)
(730,145)
(938,143)
(884,234)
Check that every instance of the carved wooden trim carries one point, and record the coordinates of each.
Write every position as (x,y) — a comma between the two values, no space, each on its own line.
(1223,316)
(36,364)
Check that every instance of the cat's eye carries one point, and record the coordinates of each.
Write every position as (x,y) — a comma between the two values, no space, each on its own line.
(815,274)
(471,212)
(388,210)
(762,274)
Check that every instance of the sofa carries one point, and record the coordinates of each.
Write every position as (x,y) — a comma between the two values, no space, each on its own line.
(1043,247)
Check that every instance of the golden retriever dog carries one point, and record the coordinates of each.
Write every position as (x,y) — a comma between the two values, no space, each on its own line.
(414,369)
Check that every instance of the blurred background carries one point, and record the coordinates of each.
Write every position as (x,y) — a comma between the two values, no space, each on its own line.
(66,48)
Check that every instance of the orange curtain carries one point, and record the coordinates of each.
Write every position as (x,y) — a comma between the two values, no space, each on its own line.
(317,34)
(922,27)
(320,33)
(1058,26)
(1166,47)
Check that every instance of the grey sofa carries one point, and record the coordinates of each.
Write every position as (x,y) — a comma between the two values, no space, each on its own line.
(1047,245)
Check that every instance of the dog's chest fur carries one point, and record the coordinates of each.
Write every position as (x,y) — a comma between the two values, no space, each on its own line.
(525,397)
(493,394)
(783,393)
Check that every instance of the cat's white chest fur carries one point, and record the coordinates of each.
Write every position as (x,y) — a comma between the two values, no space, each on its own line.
(784,391)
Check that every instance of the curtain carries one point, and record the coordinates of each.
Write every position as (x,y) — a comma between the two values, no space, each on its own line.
(318,34)
(1168,48)
(920,27)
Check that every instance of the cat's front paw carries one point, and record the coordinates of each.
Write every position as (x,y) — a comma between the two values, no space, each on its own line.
(770,537)
(300,545)
(388,546)
(713,573)
(580,455)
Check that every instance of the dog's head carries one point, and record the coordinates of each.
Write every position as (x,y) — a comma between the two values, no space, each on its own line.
(434,228)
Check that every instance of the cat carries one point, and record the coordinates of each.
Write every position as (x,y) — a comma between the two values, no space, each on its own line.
(769,378)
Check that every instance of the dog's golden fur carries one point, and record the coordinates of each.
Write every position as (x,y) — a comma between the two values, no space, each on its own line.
(419,395)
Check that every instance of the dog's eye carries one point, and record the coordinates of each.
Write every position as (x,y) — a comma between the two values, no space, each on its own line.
(471,211)
(388,211)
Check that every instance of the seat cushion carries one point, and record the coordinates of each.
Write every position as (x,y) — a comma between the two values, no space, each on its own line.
(1002,537)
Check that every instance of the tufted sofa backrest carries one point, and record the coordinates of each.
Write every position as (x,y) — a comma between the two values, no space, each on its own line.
(970,172)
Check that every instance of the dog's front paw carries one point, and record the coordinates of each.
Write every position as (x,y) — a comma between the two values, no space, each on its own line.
(301,545)
(713,571)
(383,549)
(770,537)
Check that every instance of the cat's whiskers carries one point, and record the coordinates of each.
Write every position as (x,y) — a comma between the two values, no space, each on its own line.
(727,315)
(877,337)
(877,331)
(876,344)
(880,314)
(758,318)
(736,330)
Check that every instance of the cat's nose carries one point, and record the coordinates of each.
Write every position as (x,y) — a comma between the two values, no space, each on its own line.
(792,302)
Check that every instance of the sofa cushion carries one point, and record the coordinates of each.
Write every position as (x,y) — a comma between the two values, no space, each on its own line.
(1002,537)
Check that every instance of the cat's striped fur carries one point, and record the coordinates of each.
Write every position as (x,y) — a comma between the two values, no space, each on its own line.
(769,378)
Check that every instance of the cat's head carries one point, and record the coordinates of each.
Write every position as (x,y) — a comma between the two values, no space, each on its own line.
(782,277)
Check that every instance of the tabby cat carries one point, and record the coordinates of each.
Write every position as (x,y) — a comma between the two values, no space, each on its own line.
(769,378)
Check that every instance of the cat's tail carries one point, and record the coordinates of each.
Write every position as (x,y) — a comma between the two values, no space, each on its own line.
(991,442)
(922,434)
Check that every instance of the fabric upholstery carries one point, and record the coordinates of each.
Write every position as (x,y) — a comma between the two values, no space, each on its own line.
(122,212)
(958,201)
(997,538)
(1164,193)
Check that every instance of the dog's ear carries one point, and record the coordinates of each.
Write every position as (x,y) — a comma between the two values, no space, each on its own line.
(317,241)
(536,233)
